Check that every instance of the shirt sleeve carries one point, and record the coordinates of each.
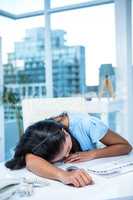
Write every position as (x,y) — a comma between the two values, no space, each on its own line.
(95,128)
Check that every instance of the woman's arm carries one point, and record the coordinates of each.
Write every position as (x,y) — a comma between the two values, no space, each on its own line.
(115,146)
(43,168)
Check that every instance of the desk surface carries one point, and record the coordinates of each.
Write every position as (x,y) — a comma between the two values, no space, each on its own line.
(117,187)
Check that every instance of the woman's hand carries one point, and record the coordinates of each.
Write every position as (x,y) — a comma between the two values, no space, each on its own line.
(77,178)
(80,156)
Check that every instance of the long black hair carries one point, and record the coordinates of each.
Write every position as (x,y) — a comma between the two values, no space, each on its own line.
(44,138)
(59,118)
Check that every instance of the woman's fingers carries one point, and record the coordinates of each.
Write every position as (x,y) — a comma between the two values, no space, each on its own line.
(72,160)
(81,181)
(73,157)
(80,156)
(76,182)
(81,178)
(77,178)
(86,177)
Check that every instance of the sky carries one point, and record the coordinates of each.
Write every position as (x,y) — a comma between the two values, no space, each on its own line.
(93,28)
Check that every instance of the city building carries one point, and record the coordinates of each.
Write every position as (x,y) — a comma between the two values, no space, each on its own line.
(24,74)
(107,72)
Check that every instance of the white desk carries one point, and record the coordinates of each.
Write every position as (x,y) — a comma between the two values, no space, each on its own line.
(104,188)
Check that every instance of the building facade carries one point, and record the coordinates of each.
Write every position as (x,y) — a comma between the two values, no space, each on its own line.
(24,73)
(107,72)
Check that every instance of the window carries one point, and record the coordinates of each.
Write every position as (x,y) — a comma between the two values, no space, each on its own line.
(23,91)
(58,3)
(36,93)
(30,91)
(88,44)
(83,54)
(18,6)
(19,43)
(43,91)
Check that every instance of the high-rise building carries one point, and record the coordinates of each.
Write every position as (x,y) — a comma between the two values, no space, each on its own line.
(24,73)
(107,71)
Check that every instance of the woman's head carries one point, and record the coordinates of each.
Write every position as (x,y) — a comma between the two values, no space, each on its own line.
(47,139)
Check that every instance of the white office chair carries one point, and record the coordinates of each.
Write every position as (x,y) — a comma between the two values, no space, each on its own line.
(40,108)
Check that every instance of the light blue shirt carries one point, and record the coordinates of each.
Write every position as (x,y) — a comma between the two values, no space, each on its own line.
(88,130)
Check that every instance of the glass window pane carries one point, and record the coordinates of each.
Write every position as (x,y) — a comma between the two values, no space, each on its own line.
(18,6)
(111,119)
(132,32)
(84,51)
(23,64)
(58,3)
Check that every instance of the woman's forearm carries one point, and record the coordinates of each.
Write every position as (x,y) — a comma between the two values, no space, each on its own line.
(113,150)
(115,145)
(42,167)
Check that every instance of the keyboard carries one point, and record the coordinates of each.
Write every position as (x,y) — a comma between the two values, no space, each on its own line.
(122,165)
